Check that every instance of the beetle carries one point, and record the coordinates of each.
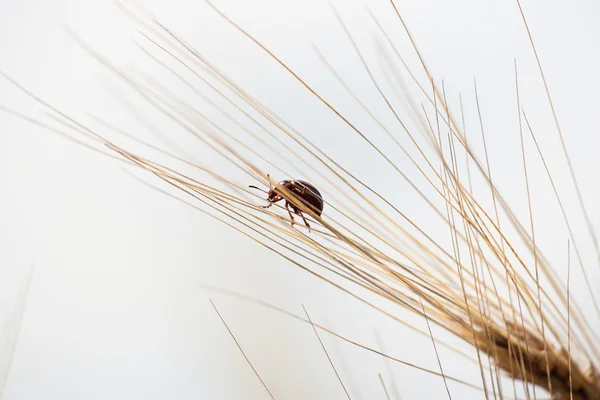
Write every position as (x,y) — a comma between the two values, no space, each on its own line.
(304,191)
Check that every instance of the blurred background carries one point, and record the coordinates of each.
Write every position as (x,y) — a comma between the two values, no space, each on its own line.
(117,306)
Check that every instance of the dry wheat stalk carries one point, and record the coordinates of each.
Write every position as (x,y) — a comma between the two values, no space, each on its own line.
(479,287)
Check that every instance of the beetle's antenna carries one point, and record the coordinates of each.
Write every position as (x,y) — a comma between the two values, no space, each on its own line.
(254,187)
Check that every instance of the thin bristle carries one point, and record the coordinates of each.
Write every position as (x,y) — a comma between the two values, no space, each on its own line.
(486,281)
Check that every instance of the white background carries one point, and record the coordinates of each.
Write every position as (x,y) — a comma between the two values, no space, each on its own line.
(115,310)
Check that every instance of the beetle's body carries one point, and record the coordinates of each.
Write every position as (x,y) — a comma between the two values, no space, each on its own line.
(304,191)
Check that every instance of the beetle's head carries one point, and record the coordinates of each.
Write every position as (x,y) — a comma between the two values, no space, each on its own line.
(272,194)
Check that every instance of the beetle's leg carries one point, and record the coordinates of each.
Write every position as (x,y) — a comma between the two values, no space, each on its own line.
(272,201)
(305,221)
(287,207)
